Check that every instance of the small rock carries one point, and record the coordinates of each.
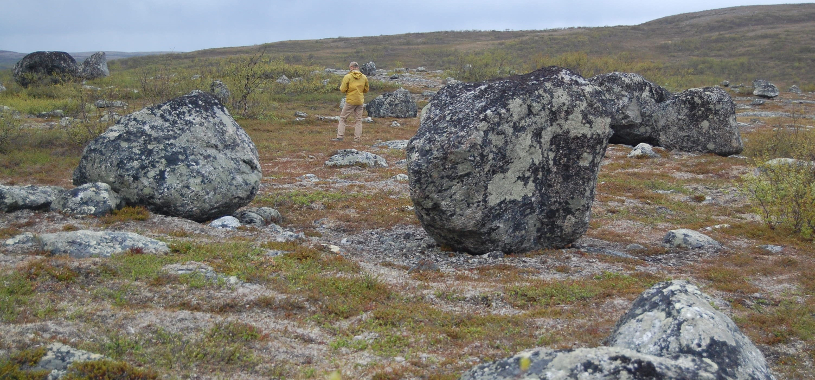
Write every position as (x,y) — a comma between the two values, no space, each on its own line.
(772,248)
(226,222)
(353,157)
(643,150)
(685,238)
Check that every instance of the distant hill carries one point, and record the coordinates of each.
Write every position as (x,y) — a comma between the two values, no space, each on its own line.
(9,58)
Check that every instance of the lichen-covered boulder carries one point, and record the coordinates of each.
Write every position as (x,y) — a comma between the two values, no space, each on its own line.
(685,238)
(633,101)
(764,89)
(393,104)
(45,67)
(186,157)
(13,198)
(95,66)
(509,165)
(353,157)
(670,332)
(675,318)
(368,69)
(82,244)
(221,91)
(90,199)
(699,120)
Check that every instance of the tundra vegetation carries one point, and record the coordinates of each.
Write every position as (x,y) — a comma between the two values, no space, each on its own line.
(369,318)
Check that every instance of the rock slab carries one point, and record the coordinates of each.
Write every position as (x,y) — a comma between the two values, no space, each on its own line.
(186,157)
(509,165)
(13,198)
(393,104)
(670,332)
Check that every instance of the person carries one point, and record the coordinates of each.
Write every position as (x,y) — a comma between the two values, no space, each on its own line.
(354,86)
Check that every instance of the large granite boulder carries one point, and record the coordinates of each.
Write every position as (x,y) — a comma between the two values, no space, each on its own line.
(13,198)
(764,89)
(45,67)
(95,66)
(699,120)
(186,157)
(633,101)
(670,332)
(509,165)
(393,104)
(696,120)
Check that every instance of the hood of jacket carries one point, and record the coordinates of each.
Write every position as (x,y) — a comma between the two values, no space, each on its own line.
(356,74)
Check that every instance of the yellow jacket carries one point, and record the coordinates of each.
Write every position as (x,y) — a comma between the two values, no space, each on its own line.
(354,86)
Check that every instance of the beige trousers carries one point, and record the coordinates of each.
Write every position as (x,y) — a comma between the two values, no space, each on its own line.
(346,112)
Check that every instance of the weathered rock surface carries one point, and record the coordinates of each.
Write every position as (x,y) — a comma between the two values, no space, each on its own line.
(685,238)
(90,199)
(353,157)
(670,332)
(509,165)
(83,243)
(13,198)
(45,67)
(368,69)
(220,90)
(633,103)
(59,357)
(699,120)
(764,89)
(227,222)
(186,157)
(393,104)
(95,66)
(393,144)
(675,318)
(696,120)
(258,216)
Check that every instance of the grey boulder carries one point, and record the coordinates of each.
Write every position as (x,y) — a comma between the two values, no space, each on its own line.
(45,67)
(95,66)
(353,157)
(632,102)
(13,198)
(509,165)
(643,150)
(670,332)
(186,157)
(393,104)
(220,90)
(90,199)
(368,68)
(685,238)
(764,89)
(258,216)
(82,244)
(699,120)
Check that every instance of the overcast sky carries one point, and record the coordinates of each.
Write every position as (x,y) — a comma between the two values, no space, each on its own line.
(188,25)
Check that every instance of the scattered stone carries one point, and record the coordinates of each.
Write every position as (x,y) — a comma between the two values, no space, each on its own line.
(509,165)
(300,114)
(220,91)
(793,89)
(393,104)
(110,104)
(95,66)
(191,268)
(13,198)
(368,68)
(90,199)
(725,83)
(643,150)
(670,332)
(2,88)
(329,118)
(83,243)
(367,119)
(45,67)
(424,265)
(186,157)
(634,247)
(685,238)
(764,89)
(309,178)
(258,216)
(393,144)
(59,357)
(772,248)
(401,177)
(353,157)
(757,102)
(226,222)
(450,80)
(283,80)
(55,114)
(421,69)
(395,124)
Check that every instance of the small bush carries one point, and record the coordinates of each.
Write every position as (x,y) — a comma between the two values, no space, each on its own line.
(107,370)
(783,195)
